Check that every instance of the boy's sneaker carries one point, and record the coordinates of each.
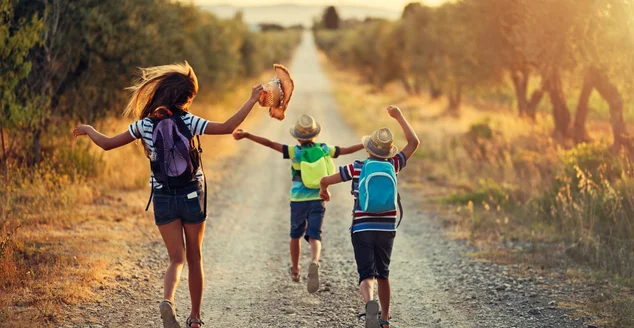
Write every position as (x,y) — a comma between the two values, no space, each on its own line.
(372,314)
(313,278)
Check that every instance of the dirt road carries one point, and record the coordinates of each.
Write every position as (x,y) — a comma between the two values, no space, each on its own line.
(246,248)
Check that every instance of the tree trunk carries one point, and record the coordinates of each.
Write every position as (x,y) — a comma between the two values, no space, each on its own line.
(435,91)
(561,113)
(455,100)
(407,85)
(579,128)
(531,107)
(525,106)
(37,147)
(4,152)
(612,96)
(417,85)
(520,83)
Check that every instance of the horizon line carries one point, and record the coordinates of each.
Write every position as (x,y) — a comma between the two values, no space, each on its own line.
(226,4)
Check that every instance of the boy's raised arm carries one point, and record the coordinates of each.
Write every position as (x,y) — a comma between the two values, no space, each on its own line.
(325,182)
(350,150)
(240,134)
(410,134)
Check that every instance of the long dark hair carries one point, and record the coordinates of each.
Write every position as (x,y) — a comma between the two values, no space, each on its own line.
(169,86)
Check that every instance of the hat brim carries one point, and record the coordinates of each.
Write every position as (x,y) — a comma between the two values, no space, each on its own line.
(288,86)
(308,136)
(366,140)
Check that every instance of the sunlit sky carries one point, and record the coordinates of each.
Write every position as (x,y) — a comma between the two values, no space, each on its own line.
(389,4)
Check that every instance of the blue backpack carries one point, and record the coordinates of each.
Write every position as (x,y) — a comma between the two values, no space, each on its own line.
(378,190)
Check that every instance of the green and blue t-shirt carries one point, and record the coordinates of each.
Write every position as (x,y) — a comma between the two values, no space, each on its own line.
(299,192)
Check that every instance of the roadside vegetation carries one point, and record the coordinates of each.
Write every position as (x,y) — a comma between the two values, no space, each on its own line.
(523,109)
(68,211)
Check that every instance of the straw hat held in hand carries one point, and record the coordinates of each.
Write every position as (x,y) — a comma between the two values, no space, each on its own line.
(277,93)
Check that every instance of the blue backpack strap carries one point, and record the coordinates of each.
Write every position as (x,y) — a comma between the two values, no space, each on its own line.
(298,152)
(400,208)
(325,148)
(398,200)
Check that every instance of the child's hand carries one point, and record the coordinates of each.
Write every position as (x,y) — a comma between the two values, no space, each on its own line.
(240,134)
(81,130)
(256,91)
(324,194)
(394,111)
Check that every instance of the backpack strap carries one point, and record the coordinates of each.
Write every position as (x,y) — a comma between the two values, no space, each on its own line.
(400,209)
(151,194)
(398,201)
(202,168)
(325,148)
(182,127)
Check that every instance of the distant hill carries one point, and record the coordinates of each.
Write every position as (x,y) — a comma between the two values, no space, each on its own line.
(291,14)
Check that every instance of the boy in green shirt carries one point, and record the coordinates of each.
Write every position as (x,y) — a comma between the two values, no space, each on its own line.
(307,207)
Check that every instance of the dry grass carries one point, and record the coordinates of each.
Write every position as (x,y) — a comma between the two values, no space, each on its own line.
(65,223)
(506,186)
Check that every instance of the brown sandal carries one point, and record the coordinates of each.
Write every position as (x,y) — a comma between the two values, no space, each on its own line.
(194,321)
(294,275)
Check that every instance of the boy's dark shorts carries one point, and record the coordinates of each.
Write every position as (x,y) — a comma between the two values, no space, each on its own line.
(186,204)
(307,218)
(372,251)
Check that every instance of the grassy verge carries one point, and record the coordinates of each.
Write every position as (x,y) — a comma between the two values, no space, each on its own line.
(503,184)
(66,225)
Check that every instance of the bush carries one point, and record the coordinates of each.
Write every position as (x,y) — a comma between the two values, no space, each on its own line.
(589,165)
(488,192)
(480,130)
(592,202)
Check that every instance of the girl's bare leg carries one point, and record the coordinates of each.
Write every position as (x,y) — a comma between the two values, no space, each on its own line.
(172,234)
(194,234)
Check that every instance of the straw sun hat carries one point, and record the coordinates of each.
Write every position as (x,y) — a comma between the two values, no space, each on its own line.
(306,128)
(277,93)
(380,143)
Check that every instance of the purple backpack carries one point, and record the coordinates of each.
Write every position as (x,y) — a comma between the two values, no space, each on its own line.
(177,159)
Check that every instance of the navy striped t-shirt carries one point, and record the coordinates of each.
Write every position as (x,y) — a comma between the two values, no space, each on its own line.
(364,221)
(144,129)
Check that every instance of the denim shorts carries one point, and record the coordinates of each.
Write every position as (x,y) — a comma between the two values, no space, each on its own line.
(373,252)
(307,218)
(186,204)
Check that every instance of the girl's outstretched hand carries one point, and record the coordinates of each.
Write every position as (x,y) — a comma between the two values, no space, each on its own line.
(81,130)
(256,91)
(240,134)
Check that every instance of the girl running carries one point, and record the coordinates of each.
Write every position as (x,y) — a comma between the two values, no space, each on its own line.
(160,101)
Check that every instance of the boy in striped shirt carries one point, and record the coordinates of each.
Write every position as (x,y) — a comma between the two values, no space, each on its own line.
(373,233)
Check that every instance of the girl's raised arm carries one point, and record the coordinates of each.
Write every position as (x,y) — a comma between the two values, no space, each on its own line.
(102,140)
(236,119)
